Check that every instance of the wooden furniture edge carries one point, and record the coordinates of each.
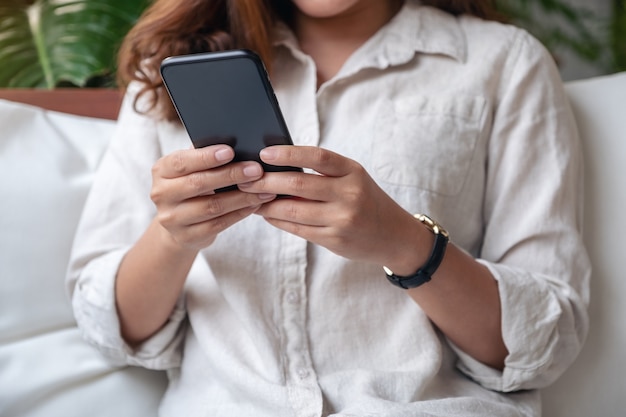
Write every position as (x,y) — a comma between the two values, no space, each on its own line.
(90,102)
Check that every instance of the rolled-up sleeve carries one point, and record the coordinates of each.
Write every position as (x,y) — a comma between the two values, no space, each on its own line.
(117,211)
(533,225)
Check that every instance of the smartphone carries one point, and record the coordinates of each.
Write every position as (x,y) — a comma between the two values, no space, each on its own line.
(226,98)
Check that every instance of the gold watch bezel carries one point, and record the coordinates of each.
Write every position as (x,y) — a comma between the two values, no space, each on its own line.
(431,224)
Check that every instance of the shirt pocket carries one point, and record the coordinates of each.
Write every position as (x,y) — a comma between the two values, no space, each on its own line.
(427,142)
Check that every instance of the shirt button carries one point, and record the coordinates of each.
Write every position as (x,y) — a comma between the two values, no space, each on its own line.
(303,373)
(292,297)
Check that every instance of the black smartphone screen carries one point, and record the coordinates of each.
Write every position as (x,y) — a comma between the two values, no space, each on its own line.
(226,97)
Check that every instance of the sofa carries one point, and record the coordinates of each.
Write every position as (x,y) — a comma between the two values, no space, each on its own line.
(50,145)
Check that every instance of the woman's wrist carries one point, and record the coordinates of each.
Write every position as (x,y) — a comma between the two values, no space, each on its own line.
(170,245)
(411,247)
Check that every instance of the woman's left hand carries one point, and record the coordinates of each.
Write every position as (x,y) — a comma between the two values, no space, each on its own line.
(342,209)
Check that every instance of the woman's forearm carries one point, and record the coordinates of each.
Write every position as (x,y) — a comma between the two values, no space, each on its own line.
(149,282)
(462,299)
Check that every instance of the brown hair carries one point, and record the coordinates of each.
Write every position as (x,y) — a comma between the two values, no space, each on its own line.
(481,8)
(172,27)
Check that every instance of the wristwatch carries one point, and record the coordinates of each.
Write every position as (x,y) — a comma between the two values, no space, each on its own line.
(423,274)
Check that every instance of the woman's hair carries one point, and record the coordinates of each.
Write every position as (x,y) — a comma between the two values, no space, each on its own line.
(174,27)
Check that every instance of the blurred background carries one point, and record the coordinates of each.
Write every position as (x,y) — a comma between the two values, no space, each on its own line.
(73,43)
(587,37)
(604,22)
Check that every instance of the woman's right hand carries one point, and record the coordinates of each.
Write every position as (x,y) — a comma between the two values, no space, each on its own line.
(183,190)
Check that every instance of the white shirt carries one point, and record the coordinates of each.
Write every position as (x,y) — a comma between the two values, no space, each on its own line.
(462,119)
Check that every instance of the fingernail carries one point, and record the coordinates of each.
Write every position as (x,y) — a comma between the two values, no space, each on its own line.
(253,170)
(266,196)
(268,154)
(224,154)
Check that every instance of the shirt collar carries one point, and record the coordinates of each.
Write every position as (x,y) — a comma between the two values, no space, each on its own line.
(415,29)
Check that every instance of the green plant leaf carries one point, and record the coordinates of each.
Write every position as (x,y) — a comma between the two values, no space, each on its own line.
(618,35)
(558,25)
(47,42)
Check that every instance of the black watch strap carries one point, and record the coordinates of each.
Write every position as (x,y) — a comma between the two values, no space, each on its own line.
(424,274)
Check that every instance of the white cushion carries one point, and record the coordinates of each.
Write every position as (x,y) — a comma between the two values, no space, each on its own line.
(46,165)
(594,386)
(47,161)
(56,374)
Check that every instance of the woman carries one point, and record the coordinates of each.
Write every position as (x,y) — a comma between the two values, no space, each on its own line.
(263,306)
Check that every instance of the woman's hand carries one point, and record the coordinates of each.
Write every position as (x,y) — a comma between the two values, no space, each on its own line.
(342,209)
(183,190)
